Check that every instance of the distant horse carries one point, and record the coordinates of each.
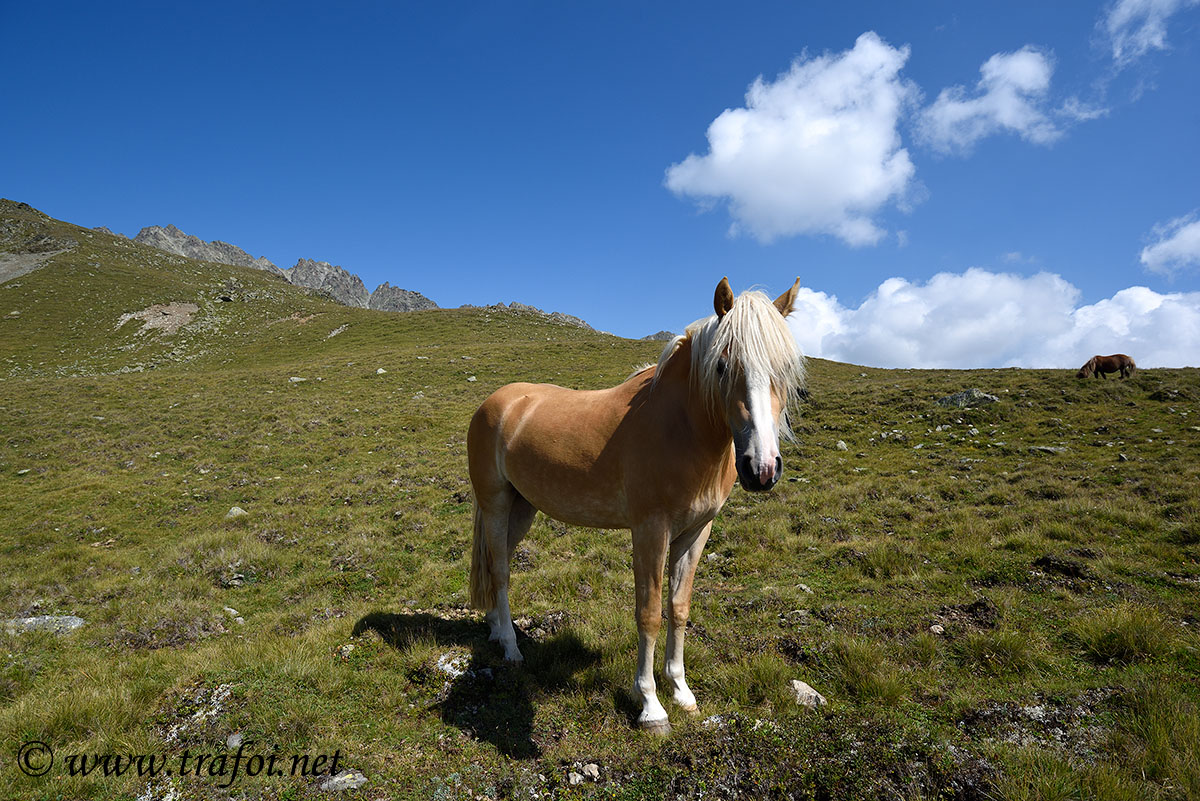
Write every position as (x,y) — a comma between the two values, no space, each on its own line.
(657,454)
(1099,365)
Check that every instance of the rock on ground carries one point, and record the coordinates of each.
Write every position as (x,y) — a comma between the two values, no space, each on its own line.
(57,624)
(806,695)
(346,780)
(967,398)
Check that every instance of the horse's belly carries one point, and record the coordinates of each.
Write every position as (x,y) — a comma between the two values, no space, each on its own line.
(571,495)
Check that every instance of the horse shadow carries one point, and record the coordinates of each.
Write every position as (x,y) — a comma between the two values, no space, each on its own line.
(489,699)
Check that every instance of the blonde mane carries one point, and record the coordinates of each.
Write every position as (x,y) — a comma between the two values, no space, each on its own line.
(752,335)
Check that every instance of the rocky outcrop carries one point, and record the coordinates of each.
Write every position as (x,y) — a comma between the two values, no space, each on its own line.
(661,336)
(555,317)
(392,298)
(343,286)
(338,283)
(172,240)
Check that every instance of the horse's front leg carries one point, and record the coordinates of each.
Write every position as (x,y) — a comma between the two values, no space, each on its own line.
(649,557)
(685,555)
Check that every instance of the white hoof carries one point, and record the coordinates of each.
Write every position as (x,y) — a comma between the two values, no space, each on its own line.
(512,654)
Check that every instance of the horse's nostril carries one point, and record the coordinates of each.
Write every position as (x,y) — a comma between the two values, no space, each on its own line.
(778,465)
(747,470)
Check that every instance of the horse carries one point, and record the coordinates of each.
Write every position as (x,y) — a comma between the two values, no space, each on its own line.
(1099,365)
(657,454)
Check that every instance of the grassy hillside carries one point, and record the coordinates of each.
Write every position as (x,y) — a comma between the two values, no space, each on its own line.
(998,602)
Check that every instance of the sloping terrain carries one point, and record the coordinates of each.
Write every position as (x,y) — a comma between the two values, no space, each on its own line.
(999,602)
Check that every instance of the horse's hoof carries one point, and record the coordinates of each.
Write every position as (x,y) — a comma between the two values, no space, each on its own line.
(691,709)
(513,656)
(659,727)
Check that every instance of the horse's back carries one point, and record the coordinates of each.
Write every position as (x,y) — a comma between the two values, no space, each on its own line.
(556,447)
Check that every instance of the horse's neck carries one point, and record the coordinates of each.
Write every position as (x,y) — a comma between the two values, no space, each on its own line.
(675,395)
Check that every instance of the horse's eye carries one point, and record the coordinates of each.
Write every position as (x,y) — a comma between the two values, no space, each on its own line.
(720,367)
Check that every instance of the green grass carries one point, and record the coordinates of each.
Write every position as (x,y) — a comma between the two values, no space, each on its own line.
(1064,584)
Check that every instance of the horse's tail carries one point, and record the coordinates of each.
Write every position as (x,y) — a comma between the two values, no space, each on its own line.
(483,589)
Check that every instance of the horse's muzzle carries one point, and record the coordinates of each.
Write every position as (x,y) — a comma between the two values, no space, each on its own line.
(753,481)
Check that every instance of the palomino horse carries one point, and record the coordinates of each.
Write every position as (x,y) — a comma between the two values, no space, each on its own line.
(1099,365)
(657,455)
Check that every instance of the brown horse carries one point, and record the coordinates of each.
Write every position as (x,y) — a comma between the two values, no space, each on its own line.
(1099,365)
(657,455)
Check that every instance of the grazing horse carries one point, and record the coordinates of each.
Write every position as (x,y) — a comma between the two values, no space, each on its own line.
(1099,365)
(657,455)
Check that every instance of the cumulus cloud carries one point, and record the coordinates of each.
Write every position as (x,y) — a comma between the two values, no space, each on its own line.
(817,151)
(1135,27)
(983,319)
(1177,248)
(1010,96)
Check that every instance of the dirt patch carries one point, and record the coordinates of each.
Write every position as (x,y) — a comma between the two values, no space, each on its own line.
(166,318)
(975,616)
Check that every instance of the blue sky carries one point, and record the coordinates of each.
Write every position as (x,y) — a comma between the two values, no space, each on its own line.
(958,185)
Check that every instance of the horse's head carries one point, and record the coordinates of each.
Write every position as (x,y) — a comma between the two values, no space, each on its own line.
(1088,368)
(755,369)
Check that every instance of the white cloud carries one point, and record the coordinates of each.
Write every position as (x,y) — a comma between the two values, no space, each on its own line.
(1135,27)
(1177,248)
(817,151)
(983,319)
(1010,96)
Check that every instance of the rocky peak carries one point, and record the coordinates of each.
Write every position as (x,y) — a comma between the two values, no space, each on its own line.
(172,240)
(392,298)
(343,286)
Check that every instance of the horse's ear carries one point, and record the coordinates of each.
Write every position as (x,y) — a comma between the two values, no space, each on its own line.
(723,298)
(787,300)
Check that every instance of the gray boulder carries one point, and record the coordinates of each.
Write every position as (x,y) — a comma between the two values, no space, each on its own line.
(966,399)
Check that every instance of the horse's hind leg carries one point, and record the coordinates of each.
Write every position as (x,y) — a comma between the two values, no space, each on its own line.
(499,617)
(490,569)
(685,555)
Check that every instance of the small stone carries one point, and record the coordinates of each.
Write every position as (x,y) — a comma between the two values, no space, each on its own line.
(235,511)
(346,780)
(842,446)
(591,770)
(937,628)
(233,740)
(296,379)
(229,610)
(380,371)
(22,472)
(806,695)
(804,588)
(1122,457)
(470,378)
(575,778)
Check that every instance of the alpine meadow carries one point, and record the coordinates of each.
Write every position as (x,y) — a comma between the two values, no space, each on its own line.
(246,511)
